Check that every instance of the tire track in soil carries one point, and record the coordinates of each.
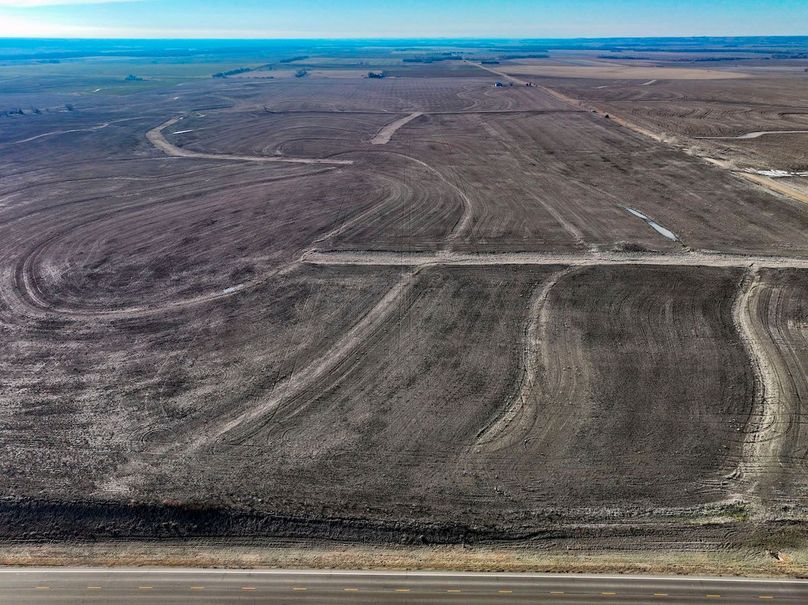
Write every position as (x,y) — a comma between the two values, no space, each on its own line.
(516,151)
(27,294)
(256,417)
(462,225)
(397,191)
(282,391)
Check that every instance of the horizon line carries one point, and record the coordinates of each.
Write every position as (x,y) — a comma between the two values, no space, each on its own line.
(408,38)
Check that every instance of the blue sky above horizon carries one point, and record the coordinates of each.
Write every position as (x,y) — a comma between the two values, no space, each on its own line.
(396,19)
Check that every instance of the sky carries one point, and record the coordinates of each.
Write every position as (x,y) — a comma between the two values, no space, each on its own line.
(399,19)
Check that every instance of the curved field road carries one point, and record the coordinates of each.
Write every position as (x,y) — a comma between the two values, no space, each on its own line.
(764,439)
(385,134)
(30,586)
(60,132)
(773,438)
(156,138)
(517,416)
(754,135)
(774,184)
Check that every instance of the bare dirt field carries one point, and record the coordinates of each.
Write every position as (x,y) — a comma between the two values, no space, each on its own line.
(614,71)
(453,315)
(712,115)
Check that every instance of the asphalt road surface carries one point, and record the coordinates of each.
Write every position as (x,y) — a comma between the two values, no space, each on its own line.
(74,585)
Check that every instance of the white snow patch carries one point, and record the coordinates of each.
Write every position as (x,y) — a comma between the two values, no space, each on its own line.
(776,174)
(755,135)
(761,133)
(654,225)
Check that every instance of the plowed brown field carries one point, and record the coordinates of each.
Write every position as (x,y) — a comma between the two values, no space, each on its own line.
(451,313)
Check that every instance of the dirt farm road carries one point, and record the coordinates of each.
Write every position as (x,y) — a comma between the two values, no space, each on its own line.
(156,137)
(79,585)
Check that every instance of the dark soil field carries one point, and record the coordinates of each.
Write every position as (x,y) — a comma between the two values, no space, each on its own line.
(417,310)
(714,116)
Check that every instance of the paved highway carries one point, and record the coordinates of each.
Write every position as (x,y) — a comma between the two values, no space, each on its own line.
(22,586)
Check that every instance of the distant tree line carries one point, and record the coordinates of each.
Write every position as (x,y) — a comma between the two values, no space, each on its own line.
(242,70)
(19,111)
(525,56)
(434,58)
(679,60)
(232,72)
(776,55)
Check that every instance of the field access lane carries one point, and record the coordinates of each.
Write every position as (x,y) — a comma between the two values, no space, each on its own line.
(152,586)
